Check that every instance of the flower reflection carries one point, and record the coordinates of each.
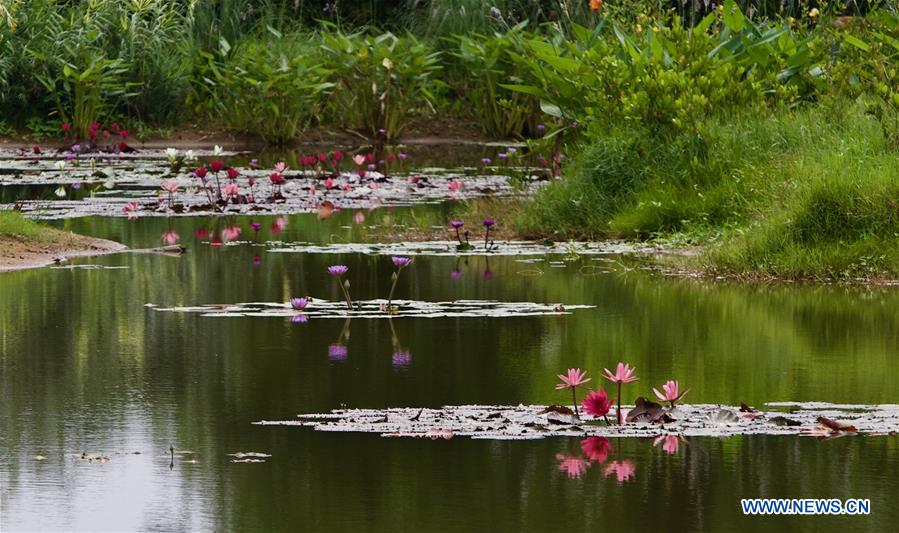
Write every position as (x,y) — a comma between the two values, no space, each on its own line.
(302,318)
(670,443)
(337,352)
(456,275)
(171,237)
(596,449)
(231,233)
(402,358)
(623,470)
(572,465)
(201,233)
(257,260)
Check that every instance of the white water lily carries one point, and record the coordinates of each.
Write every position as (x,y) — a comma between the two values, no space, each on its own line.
(190,156)
(217,150)
(109,184)
(60,165)
(61,191)
(171,154)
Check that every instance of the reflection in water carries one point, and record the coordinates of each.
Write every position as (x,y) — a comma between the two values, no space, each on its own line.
(85,367)
(622,470)
(574,466)
(337,350)
(401,357)
(596,449)
(670,443)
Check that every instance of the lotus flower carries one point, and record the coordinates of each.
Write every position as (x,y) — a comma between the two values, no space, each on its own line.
(338,270)
(298,303)
(597,403)
(231,189)
(575,378)
(575,467)
(597,449)
(401,261)
(671,392)
(623,374)
(623,470)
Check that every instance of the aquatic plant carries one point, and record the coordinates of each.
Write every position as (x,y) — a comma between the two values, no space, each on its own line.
(400,263)
(623,374)
(171,187)
(597,403)
(488,223)
(670,393)
(298,304)
(573,379)
(337,271)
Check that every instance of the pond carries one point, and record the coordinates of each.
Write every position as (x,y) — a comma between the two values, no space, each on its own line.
(87,368)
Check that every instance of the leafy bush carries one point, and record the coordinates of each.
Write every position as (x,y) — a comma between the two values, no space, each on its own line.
(272,85)
(380,81)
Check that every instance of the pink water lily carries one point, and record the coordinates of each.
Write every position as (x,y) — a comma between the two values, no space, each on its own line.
(358,159)
(670,395)
(455,185)
(624,373)
(231,189)
(280,167)
(573,379)
(170,186)
(597,403)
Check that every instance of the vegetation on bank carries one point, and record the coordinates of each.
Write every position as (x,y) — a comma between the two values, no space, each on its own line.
(15,226)
(767,130)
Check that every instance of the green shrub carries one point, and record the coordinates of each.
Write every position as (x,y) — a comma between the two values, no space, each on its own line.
(380,81)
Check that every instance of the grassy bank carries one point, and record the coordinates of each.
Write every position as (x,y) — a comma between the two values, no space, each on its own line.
(15,226)
(797,194)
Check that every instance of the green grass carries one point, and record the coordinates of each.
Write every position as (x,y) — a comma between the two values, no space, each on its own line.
(14,225)
(800,195)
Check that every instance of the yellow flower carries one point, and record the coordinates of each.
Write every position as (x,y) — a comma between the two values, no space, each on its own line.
(813,13)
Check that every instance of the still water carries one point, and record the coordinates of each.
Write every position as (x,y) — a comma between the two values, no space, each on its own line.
(86,367)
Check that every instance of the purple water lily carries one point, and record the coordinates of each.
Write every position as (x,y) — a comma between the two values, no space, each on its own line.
(337,271)
(337,352)
(400,263)
(298,303)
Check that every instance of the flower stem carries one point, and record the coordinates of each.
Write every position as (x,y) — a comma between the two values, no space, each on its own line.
(619,403)
(486,237)
(574,402)
(346,294)
(396,277)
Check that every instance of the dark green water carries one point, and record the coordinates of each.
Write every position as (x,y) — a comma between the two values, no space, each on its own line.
(84,366)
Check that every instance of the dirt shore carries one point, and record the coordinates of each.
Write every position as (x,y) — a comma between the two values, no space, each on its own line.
(18,253)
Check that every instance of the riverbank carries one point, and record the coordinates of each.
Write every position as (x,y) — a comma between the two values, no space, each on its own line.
(28,244)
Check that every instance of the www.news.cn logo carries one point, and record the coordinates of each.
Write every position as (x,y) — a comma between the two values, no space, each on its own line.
(807,506)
